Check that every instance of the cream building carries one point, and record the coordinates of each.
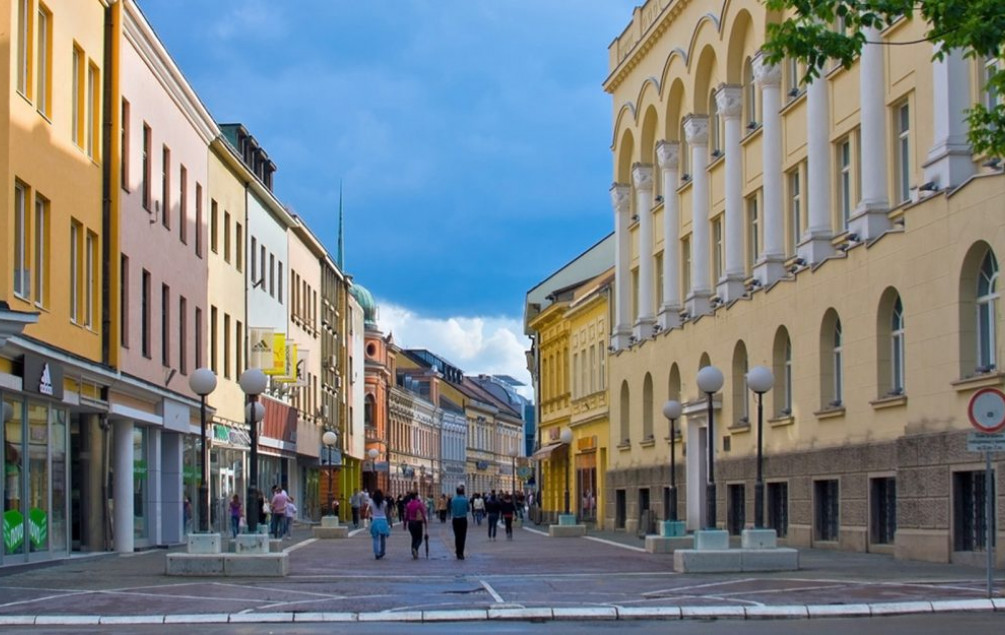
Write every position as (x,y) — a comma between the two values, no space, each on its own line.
(840,234)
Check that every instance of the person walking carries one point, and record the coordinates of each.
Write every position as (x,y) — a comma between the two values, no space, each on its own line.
(354,503)
(291,515)
(379,529)
(508,508)
(492,509)
(235,515)
(459,519)
(416,521)
(441,508)
(278,507)
(478,508)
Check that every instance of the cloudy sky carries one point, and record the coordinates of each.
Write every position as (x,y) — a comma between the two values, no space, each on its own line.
(471,137)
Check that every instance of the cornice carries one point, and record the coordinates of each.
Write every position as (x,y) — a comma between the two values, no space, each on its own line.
(641,47)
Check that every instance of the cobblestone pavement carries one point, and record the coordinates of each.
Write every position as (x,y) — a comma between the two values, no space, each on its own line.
(605,575)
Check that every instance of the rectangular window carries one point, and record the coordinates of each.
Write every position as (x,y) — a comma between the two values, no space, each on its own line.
(213,339)
(658,268)
(76,237)
(226,236)
(226,346)
(685,267)
(23,46)
(792,77)
(239,246)
(198,220)
(718,264)
(635,295)
(844,182)
(147,149)
(214,220)
(124,142)
(93,105)
(753,233)
(198,337)
(90,278)
(77,97)
(145,314)
(795,211)
(972,528)
(987,68)
(182,335)
(778,508)
(279,276)
(165,325)
(166,186)
(272,275)
(21,277)
(183,204)
(239,348)
(903,115)
(826,510)
(882,510)
(253,261)
(261,270)
(43,59)
(124,301)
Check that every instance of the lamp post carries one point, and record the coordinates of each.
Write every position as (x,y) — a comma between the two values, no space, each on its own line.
(372,453)
(253,383)
(566,438)
(512,467)
(672,410)
(760,380)
(709,382)
(329,438)
(203,382)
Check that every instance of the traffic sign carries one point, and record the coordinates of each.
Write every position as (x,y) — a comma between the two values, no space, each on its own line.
(987,410)
(980,442)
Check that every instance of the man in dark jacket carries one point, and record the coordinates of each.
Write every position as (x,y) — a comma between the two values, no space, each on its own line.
(492,512)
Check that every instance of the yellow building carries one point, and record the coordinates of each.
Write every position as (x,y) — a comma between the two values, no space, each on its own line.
(840,234)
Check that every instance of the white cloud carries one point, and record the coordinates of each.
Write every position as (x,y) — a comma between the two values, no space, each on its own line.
(477,345)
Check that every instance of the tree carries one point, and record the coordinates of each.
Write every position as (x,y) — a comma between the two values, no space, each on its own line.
(976,27)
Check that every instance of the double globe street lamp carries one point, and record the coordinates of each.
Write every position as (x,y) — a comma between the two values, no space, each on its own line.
(709,382)
(760,380)
(203,382)
(329,439)
(253,383)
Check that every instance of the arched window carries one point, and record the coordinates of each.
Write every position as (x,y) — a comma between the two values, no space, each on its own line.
(987,314)
(781,366)
(368,412)
(714,128)
(624,426)
(837,354)
(647,408)
(683,156)
(749,95)
(890,345)
(897,348)
(673,383)
(831,361)
(741,397)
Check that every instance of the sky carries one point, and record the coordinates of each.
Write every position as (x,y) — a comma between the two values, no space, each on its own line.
(471,139)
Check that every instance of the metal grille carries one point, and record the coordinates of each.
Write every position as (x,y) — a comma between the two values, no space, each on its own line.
(883,511)
(970,522)
(826,504)
(778,508)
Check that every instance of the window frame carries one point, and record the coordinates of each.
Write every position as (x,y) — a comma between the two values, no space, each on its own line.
(25,48)
(41,255)
(795,186)
(22,193)
(752,210)
(986,300)
(902,152)
(43,61)
(845,181)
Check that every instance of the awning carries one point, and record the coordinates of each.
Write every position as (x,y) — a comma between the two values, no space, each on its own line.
(545,451)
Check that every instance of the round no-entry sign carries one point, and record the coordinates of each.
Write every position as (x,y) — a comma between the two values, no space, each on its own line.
(987,410)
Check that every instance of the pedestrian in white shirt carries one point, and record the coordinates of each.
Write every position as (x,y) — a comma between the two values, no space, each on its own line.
(291,513)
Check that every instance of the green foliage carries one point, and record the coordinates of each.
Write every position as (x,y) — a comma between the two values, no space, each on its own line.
(977,27)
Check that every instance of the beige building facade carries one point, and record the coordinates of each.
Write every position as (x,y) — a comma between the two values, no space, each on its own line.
(840,234)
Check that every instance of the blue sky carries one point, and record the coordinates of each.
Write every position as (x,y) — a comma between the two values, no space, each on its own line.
(472,138)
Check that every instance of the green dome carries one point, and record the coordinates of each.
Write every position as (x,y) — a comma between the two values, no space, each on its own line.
(365,299)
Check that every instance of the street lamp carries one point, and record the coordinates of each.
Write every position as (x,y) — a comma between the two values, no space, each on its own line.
(202,382)
(566,438)
(709,382)
(672,410)
(760,380)
(512,468)
(372,453)
(253,383)
(329,438)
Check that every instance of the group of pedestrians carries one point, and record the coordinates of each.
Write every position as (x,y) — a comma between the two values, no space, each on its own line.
(278,511)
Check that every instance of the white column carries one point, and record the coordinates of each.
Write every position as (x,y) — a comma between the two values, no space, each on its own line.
(869,219)
(696,471)
(620,337)
(949,162)
(815,244)
(668,154)
(172,496)
(770,267)
(642,178)
(729,100)
(696,129)
(155,498)
(123,488)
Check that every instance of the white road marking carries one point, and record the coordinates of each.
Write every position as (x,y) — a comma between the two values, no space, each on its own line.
(614,544)
(492,592)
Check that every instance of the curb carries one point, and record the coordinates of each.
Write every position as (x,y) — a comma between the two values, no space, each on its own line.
(611,613)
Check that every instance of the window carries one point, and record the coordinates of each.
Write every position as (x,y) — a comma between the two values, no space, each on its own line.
(90,278)
(23,46)
(685,268)
(897,348)
(166,187)
(124,141)
(735,507)
(635,295)
(43,59)
(146,314)
(239,244)
(972,528)
(147,149)
(213,325)
(844,181)
(21,278)
(280,277)
(76,236)
(214,220)
(124,301)
(792,77)
(183,204)
(986,70)
(837,353)
(795,211)
(226,236)
(658,269)
(226,346)
(93,105)
(882,510)
(165,325)
(718,265)
(198,220)
(77,97)
(778,508)
(753,233)
(261,270)
(182,335)
(684,156)
(41,250)
(272,275)
(749,95)
(239,348)
(647,408)
(253,260)
(198,337)
(826,510)
(987,314)
(903,153)
(738,382)
(714,128)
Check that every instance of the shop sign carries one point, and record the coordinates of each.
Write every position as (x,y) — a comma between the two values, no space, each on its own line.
(38,528)
(190,474)
(481,465)
(381,466)
(42,376)
(586,443)
(13,530)
(140,469)
(221,433)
